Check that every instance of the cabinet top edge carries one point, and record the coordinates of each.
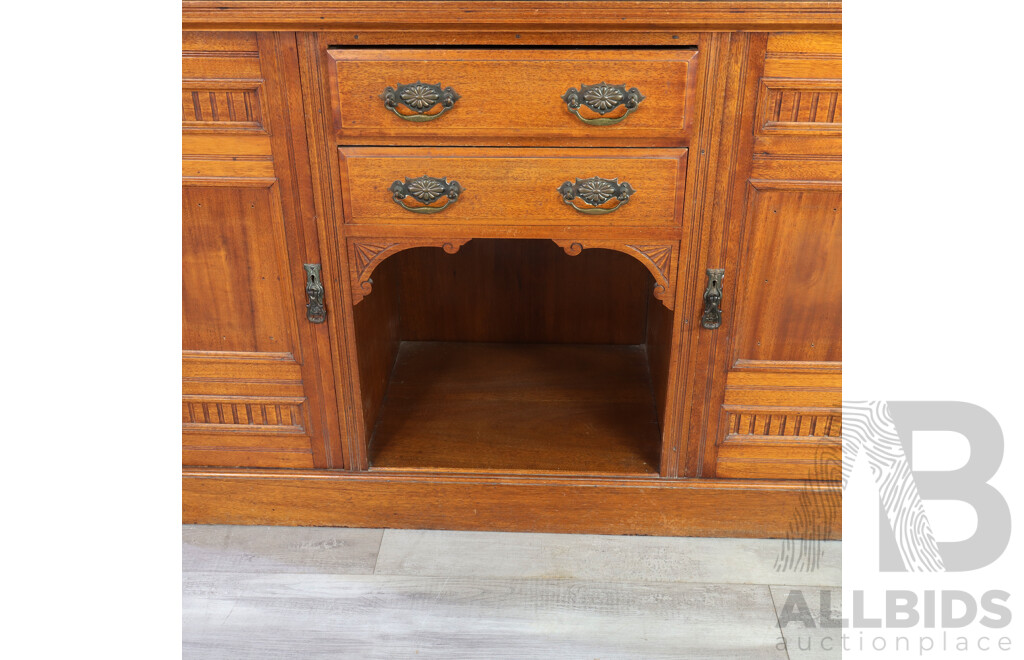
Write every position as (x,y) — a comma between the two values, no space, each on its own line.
(490,15)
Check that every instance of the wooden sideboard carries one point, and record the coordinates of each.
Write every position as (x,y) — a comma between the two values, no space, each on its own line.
(534,266)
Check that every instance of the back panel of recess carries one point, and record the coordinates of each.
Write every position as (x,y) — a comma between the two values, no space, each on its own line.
(496,290)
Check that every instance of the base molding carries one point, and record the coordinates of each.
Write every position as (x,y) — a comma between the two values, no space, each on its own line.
(558,504)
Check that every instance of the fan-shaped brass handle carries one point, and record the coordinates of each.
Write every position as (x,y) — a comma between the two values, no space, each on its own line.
(419,101)
(602,99)
(594,193)
(425,190)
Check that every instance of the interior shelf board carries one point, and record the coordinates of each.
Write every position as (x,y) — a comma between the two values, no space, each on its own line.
(579,408)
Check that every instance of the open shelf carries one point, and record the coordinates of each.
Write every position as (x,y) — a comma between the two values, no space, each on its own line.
(534,407)
(513,356)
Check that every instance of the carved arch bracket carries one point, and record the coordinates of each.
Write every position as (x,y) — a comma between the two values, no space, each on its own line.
(659,258)
(365,254)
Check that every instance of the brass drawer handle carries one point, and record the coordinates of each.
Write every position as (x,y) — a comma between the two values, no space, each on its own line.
(426,190)
(595,192)
(602,99)
(419,98)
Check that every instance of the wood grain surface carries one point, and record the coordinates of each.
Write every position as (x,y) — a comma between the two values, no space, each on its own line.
(607,559)
(256,616)
(514,186)
(780,379)
(547,15)
(270,592)
(519,407)
(824,605)
(735,155)
(509,502)
(520,291)
(791,267)
(256,379)
(508,96)
(262,549)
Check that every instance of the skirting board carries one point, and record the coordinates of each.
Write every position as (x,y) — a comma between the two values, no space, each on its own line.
(585,505)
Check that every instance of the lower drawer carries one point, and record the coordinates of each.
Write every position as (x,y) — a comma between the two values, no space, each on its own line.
(460,185)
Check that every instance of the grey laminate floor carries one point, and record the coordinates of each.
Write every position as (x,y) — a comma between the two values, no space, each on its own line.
(311,592)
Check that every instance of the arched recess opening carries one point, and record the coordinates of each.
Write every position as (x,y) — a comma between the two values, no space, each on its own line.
(514,355)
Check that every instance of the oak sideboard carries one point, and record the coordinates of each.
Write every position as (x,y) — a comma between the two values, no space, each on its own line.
(531,266)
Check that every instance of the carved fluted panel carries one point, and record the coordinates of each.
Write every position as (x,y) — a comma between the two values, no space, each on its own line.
(800,107)
(220,106)
(792,423)
(243,414)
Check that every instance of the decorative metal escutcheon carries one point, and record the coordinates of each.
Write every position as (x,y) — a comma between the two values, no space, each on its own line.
(426,190)
(315,310)
(602,99)
(712,316)
(595,192)
(420,99)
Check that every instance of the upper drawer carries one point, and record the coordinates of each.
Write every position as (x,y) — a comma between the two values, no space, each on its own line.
(499,97)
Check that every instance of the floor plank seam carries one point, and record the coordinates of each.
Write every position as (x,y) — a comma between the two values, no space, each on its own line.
(376,557)
(536,578)
(778,623)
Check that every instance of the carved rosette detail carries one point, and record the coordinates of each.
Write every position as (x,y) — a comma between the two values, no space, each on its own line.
(659,260)
(365,254)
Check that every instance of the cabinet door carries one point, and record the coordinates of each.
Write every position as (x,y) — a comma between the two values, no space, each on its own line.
(779,369)
(256,386)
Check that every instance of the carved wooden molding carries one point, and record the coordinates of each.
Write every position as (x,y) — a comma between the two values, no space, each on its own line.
(800,107)
(788,366)
(242,414)
(303,15)
(752,424)
(659,258)
(780,442)
(223,106)
(365,254)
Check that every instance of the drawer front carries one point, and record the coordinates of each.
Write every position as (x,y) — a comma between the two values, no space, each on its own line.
(445,185)
(502,97)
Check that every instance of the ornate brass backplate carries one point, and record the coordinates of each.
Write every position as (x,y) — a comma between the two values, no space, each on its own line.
(594,192)
(602,99)
(420,98)
(316,312)
(712,316)
(426,190)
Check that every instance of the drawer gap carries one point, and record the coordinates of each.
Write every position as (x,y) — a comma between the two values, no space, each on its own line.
(615,47)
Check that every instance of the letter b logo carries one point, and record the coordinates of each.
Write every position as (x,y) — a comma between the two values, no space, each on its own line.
(883,431)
